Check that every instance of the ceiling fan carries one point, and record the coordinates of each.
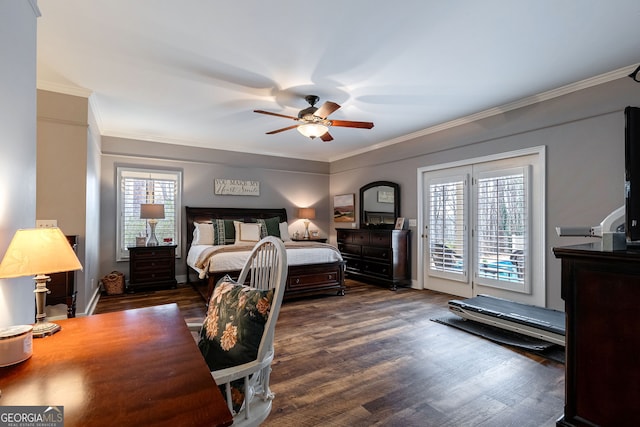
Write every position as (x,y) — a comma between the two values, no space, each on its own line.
(313,121)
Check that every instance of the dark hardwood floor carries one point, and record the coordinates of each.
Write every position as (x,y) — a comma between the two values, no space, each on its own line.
(374,357)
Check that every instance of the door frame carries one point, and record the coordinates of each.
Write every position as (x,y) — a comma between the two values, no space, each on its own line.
(538,293)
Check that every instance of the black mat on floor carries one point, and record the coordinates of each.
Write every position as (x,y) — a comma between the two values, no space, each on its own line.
(543,348)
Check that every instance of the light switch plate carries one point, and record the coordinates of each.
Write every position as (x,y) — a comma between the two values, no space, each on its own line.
(46,223)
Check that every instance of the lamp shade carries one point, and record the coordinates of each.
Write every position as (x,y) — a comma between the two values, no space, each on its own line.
(37,251)
(312,130)
(307,213)
(151,211)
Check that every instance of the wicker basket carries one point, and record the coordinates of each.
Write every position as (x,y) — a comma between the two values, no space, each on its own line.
(113,283)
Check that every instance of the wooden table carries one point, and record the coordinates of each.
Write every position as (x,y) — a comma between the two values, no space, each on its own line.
(137,367)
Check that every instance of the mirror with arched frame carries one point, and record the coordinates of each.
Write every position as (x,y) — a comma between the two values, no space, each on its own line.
(379,204)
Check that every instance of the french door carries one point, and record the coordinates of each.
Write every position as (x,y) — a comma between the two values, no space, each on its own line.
(482,227)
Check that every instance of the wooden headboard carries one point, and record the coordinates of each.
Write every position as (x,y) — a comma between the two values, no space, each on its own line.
(243,214)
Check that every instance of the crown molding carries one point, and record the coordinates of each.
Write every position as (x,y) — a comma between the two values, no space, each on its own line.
(64,88)
(36,9)
(524,102)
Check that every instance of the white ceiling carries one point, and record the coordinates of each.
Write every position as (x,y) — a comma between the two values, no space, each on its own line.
(192,71)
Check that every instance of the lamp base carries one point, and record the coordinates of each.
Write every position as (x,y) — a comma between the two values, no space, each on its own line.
(44,329)
(152,240)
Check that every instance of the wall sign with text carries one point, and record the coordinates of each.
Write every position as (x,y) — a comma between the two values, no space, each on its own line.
(236,187)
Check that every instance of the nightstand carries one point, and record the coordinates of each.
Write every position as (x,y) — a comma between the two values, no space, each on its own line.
(152,266)
(313,239)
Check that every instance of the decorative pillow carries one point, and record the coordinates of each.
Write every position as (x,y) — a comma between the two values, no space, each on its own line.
(233,327)
(203,234)
(284,232)
(224,231)
(269,226)
(247,232)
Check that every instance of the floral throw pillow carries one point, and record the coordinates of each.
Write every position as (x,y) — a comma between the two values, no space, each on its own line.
(233,327)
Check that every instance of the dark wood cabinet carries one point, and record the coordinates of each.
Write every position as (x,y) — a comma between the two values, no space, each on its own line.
(376,255)
(62,286)
(601,291)
(151,266)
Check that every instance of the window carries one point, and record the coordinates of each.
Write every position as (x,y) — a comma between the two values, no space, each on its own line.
(139,186)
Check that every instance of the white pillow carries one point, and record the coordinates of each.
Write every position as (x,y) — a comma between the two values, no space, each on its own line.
(284,232)
(202,234)
(247,232)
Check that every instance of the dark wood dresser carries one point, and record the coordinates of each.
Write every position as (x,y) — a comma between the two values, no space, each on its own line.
(376,255)
(152,266)
(601,291)
(62,286)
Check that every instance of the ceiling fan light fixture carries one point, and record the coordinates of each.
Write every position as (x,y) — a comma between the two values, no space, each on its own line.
(312,130)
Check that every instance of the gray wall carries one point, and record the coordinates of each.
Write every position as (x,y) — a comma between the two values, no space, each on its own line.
(284,183)
(69,159)
(18,146)
(584,135)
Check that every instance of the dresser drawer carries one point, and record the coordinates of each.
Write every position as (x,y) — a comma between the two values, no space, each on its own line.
(157,254)
(151,276)
(378,238)
(357,237)
(385,254)
(377,269)
(347,249)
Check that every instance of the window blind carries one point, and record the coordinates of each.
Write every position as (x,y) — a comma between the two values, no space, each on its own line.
(146,186)
(447,225)
(502,226)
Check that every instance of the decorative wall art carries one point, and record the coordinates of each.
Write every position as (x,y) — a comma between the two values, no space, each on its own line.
(236,187)
(344,208)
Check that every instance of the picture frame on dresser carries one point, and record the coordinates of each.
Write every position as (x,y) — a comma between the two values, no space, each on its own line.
(400,223)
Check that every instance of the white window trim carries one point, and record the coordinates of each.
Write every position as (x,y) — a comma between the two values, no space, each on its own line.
(123,255)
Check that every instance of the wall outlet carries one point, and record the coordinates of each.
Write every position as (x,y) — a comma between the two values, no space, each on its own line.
(46,223)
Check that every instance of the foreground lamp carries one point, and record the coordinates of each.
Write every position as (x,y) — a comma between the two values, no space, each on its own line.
(152,212)
(634,75)
(38,252)
(312,130)
(307,214)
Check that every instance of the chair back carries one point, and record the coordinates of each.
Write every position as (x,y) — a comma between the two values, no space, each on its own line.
(266,268)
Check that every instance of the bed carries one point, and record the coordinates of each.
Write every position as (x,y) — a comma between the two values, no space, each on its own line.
(314,268)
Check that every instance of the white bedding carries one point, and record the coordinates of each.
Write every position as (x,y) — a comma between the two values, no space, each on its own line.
(234,261)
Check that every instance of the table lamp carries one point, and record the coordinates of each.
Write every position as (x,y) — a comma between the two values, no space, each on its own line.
(307,214)
(152,212)
(38,252)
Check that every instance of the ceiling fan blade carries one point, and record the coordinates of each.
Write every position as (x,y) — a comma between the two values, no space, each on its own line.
(350,124)
(282,130)
(326,137)
(275,114)
(326,109)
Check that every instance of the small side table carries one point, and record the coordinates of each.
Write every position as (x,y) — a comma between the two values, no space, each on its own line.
(312,239)
(152,266)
